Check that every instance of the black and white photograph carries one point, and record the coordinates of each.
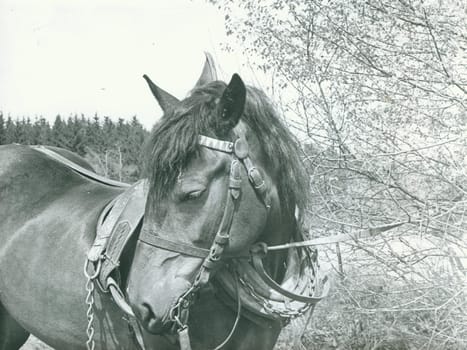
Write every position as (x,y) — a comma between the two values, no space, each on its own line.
(233,174)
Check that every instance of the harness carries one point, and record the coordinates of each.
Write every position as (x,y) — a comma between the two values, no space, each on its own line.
(247,283)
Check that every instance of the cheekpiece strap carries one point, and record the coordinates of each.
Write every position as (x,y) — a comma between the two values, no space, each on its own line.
(218,145)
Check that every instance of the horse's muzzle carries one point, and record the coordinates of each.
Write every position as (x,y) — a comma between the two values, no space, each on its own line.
(153,293)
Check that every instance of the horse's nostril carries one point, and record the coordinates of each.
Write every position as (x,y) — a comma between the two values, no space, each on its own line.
(147,314)
(151,322)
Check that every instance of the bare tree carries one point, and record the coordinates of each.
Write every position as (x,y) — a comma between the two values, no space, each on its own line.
(377,92)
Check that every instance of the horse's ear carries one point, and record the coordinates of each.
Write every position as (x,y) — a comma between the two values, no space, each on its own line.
(209,72)
(165,100)
(232,102)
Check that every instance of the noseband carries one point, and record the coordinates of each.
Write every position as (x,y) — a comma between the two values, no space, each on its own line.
(212,257)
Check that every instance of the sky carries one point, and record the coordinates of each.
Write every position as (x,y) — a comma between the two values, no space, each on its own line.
(88,56)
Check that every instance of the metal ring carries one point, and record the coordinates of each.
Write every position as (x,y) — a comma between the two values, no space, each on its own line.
(96,272)
(172,315)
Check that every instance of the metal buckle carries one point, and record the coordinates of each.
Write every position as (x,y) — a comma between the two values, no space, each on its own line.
(254,175)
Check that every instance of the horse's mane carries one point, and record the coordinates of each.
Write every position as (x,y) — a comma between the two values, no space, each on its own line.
(174,141)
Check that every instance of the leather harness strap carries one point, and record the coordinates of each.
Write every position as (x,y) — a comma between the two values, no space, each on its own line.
(123,223)
(104,227)
(79,169)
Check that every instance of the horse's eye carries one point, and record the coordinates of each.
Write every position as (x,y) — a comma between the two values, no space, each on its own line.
(193,195)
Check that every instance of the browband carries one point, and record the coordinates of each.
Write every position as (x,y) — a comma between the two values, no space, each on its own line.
(218,145)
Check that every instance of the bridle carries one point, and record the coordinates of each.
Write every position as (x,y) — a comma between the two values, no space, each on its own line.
(212,257)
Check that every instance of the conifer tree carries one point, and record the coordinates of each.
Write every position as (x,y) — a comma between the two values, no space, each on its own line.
(41,132)
(10,131)
(2,129)
(59,133)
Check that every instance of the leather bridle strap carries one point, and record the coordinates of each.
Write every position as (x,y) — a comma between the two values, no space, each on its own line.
(173,246)
(222,236)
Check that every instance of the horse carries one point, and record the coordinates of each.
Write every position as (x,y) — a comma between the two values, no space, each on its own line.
(222,174)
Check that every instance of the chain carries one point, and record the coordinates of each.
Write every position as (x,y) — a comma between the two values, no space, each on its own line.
(90,344)
(90,287)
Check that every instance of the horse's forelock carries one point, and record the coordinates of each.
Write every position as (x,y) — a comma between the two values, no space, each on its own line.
(174,141)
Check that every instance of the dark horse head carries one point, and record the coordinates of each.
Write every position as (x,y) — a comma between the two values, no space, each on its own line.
(189,190)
